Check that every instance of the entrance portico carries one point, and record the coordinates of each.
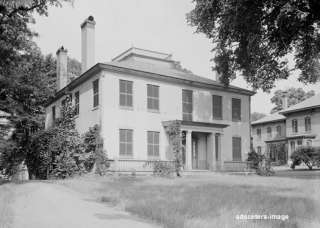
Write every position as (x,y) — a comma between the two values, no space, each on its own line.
(202,145)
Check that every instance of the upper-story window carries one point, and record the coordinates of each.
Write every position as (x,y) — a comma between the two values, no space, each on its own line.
(53,114)
(259,149)
(95,93)
(187,105)
(153,97)
(236,109)
(217,107)
(77,103)
(126,91)
(269,132)
(259,133)
(295,126)
(307,123)
(278,130)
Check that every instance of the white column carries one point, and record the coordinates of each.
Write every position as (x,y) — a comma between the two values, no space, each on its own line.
(188,150)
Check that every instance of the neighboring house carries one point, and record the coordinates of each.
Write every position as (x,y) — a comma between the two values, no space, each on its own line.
(134,96)
(269,137)
(300,126)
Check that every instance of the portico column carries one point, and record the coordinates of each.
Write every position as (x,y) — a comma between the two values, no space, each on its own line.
(188,150)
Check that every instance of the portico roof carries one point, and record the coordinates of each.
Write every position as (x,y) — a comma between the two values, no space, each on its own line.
(196,124)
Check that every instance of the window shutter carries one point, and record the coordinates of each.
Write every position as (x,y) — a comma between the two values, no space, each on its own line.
(236,148)
(217,107)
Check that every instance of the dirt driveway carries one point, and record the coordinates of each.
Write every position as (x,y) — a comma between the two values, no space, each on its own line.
(39,205)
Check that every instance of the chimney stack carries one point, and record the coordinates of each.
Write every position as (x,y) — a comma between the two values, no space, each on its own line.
(284,101)
(62,69)
(87,44)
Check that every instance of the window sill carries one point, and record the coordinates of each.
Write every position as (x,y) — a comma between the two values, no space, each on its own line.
(128,108)
(126,157)
(153,110)
(216,118)
(236,121)
(95,108)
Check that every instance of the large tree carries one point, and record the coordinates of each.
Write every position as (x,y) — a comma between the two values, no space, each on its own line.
(294,96)
(255,37)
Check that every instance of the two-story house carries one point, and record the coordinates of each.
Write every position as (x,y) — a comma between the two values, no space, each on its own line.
(269,137)
(279,134)
(134,95)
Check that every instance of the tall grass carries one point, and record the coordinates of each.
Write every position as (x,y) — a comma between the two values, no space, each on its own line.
(202,204)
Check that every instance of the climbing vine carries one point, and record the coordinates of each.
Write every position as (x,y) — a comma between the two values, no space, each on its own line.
(173,130)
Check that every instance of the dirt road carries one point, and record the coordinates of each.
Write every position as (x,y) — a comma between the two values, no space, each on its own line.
(40,205)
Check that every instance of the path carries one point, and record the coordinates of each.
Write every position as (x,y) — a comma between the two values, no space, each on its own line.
(39,205)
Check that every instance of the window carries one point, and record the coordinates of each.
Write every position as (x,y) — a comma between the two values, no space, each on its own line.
(299,142)
(309,143)
(307,123)
(187,105)
(153,97)
(76,103)
(236,109)
(126,137)
(293,146)
(269,132)
(278,130)
(259,133)
(259,149)
(217,107)
(295,126)
(236,148)
(153,143)
(53,114)
(95,93)
(126,99)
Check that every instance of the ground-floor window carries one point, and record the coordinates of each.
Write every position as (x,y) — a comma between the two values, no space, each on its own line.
(153,143)
(236,148)
(126,142)
(259,149)
(292,146)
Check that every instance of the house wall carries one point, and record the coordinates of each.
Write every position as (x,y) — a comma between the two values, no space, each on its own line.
(88,116)
(256,141)
(141,120)
(300,117)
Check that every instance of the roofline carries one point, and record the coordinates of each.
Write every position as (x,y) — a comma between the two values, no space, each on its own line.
(284,112)
(141,49)
(104,66)
(270,121)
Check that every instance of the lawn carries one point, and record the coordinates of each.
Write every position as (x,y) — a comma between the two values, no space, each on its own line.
(6,197)
(209,201)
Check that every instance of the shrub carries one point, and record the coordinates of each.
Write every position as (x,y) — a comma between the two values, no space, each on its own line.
(161,168)
(260,163)
(306,154)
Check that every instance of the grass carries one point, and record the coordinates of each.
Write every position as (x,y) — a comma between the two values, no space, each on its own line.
(209,201)
(6,197)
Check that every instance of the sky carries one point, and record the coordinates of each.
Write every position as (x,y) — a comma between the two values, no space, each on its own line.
(158,25)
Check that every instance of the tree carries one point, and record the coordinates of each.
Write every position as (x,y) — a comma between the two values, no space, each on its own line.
(256,116)
(294,96)
(255,37)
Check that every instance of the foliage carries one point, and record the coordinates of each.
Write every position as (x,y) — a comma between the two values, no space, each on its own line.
(161,168)
(95,155)
(255,38)
(57,152)
(256,116)
(260,163)
(306,154)
(294,95)
(173,130)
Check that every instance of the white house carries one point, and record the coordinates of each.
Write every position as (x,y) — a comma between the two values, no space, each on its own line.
(132,97)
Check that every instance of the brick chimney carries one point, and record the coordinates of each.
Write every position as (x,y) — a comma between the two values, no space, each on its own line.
(87,44)
(62,69)
(284,101)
